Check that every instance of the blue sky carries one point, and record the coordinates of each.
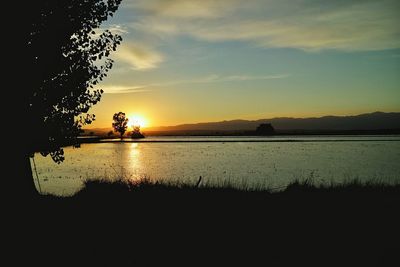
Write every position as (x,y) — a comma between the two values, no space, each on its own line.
(204,60)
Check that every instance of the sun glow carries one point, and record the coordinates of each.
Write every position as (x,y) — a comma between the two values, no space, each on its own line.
(137,120)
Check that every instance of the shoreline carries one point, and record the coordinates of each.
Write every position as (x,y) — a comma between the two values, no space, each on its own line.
(228,139)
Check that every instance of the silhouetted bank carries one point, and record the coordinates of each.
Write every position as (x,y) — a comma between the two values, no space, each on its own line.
(370,122)
(152,224)
(137,135)
(265,129)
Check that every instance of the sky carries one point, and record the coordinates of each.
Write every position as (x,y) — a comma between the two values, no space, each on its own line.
(188,61)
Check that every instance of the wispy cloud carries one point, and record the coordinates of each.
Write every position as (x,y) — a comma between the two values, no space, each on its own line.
(113,89)
(311,25)
(233,78)
(119,29)
(186,9)
(138,57)
(114,28)
(207,79)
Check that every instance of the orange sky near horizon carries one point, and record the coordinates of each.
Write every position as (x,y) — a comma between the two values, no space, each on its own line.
(157,114)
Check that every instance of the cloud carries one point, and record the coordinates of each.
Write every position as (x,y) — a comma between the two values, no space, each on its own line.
(233,78)
(118,29)
(113,89)
(114,28)
(186,9)
(139,57)
(213,78)
(311,25)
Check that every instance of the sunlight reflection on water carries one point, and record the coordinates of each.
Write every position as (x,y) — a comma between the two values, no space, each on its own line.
(270,164)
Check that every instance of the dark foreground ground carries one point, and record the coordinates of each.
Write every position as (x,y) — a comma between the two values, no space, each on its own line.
(158,225)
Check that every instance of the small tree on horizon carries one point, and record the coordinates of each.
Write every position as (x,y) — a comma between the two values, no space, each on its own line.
(136,132)
(120,123)
(136,128)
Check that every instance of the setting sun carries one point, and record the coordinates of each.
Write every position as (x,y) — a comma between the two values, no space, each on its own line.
(137,120)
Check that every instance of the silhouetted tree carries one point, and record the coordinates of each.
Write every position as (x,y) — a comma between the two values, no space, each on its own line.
(265,129)
(63,57)
(136,128)
(136,132)
(120,123)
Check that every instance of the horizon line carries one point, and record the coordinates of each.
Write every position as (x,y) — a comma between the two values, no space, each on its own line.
(253,120)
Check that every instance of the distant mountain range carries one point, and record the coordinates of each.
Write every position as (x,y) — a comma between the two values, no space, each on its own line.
(363,122)
(369,121)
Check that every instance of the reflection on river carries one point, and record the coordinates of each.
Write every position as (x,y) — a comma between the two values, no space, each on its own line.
(269,164)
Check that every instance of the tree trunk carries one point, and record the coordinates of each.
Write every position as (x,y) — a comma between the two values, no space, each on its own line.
(28,184)
(23,185)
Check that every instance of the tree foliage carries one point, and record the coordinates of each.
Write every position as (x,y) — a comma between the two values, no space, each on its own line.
(136,132)
(120,123)
(68,56)
(136,128)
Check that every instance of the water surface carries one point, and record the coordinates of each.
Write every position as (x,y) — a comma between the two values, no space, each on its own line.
(243,161)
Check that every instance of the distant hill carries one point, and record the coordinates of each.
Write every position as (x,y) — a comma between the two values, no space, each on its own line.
(369,121)
(363,122)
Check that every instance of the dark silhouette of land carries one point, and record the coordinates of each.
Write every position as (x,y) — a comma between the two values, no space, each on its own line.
(370,123)
(265,129)
(147,224)
(137,135)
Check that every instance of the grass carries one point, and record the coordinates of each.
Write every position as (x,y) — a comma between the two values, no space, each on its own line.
(123,186)
(148,223)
